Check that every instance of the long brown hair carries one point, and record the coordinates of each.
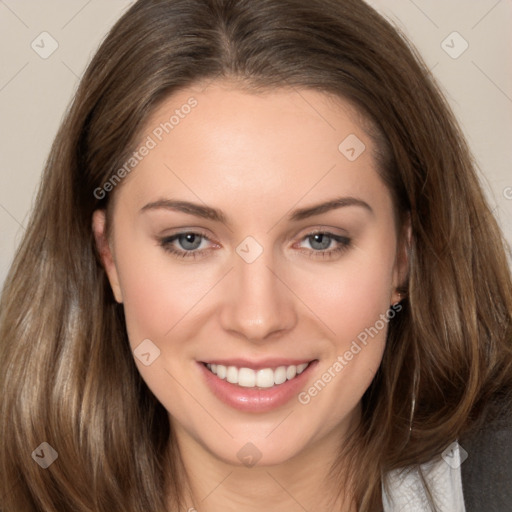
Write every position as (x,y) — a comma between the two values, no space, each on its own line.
(68,376)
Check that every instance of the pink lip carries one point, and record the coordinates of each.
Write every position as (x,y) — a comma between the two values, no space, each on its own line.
(258,365)
(255,400)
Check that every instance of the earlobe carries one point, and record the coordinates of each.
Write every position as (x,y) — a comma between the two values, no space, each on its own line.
(105,252)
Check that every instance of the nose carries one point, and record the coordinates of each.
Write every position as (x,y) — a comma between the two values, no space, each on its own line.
(258,303)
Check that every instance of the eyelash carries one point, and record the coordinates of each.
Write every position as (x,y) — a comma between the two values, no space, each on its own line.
(343,241)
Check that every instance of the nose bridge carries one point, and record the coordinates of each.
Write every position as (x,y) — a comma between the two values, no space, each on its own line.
(258,304)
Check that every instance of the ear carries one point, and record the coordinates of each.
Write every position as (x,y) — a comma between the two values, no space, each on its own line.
(401,270)
(105,252)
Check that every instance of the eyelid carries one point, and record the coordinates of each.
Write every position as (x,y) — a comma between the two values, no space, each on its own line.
(322,229)
(329,230)
(343,243)
(194,231)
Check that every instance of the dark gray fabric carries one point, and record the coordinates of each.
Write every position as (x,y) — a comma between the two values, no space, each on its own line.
(487,472)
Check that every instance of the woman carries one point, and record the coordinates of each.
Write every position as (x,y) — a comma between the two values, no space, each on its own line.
(260,273)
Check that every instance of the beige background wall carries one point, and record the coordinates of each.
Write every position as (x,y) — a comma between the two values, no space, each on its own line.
(35,91)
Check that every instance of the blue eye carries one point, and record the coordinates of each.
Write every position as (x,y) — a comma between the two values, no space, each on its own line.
(320,241)
(189,241)
(187,244)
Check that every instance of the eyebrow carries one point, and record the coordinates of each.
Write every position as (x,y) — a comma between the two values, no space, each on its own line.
(207,212)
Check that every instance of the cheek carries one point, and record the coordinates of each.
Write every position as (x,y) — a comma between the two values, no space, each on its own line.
(353,301)
(160,304)
(350,300)
(159,296)
(351,295)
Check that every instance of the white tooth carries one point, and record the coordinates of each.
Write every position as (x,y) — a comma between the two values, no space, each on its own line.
(291,371)
(280,375)
(246,377)
(265,378)
(232,374)
(301,367)
(221,371)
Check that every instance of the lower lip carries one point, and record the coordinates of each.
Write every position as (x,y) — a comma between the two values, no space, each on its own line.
(254,399)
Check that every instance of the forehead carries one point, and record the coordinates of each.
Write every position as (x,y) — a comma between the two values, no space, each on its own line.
(228,117)
(224,144)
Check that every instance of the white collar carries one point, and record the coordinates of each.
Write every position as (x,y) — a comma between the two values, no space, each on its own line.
(406,492)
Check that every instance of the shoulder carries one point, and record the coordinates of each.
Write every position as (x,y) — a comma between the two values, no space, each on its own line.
(487,471)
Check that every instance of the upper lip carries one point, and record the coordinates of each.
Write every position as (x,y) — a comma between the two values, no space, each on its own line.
(258,365)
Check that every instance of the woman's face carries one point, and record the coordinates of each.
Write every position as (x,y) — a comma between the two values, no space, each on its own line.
(215,258)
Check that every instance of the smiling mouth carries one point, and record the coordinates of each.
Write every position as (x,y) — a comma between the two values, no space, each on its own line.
(263,378)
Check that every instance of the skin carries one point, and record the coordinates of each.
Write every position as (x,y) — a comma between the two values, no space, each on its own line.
(256,157)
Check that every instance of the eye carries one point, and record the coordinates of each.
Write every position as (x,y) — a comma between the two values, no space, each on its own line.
(321,241)
(188,244)
(189,241)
